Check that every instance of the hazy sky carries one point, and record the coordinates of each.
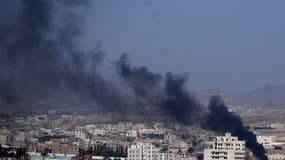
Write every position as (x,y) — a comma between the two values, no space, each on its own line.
(236,45)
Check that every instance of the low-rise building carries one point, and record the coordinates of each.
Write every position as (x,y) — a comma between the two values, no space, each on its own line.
(266,141)
(277,156)
(79,132)
(132,133)
(147,151)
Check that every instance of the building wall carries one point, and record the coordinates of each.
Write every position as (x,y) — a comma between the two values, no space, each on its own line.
(141,151)
(147,151)
(266,141)
(225,147)
(276,157)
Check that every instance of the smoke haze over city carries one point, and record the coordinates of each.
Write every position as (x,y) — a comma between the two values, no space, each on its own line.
(143,58)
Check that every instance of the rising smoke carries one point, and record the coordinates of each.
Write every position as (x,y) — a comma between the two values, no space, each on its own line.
(185,109)
(178,102)
(145,84)
(221,120)
(167,93)
(40,58)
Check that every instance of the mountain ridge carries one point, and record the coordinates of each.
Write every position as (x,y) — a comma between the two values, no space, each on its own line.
(266,95)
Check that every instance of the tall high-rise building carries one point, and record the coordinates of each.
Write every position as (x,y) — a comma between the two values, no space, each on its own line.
(225,147)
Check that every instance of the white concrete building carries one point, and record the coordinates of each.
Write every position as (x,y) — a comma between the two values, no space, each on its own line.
(151,131)
(99,132)
(132,133)
(173,156)
(266,141)
(225,147)
(142,151)
(79,132)
(147,151)
(277,156)
(3,139)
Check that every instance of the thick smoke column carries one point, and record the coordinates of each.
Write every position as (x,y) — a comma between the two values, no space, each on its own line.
(140,79)
(40,58)
(167,94)
(178,102)
(221,120)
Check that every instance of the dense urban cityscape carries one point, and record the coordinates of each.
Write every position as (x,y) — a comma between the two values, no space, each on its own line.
(142,80)
(74,136)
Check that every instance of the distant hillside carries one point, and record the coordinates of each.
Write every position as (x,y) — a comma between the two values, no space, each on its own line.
(268,95)
(40,103)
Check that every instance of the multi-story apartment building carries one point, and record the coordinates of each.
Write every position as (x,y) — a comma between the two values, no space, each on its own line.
(225,147)
(54,147)
(266,141)
(142,151)
(132,133)
(173,156)
(79,132)
(147,151)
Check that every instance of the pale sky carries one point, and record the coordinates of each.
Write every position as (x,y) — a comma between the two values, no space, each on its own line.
(236,45)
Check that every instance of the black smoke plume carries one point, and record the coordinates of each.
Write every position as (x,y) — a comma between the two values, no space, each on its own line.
(167,94)
(221,120)
(40,62)
(140,79)
(40,58)
(178,102)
